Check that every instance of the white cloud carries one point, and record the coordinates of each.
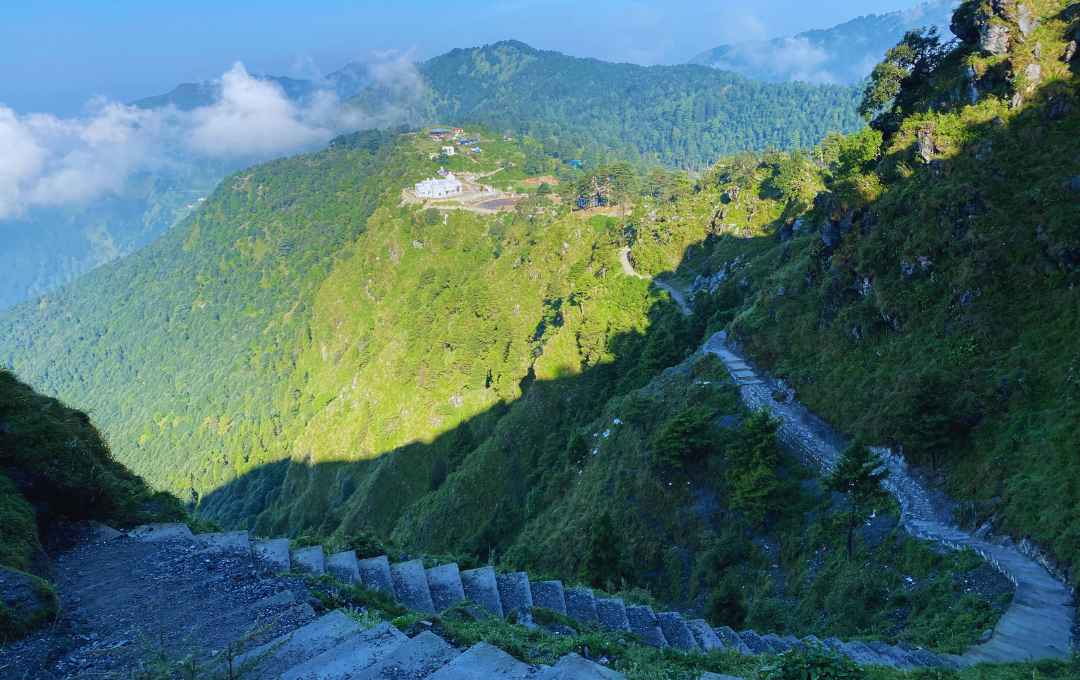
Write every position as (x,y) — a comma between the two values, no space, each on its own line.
(253,118)
(46,160)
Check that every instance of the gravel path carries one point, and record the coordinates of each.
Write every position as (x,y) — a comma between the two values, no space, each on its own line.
(127,603)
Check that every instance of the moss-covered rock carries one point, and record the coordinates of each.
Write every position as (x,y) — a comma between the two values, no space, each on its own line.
(26,602)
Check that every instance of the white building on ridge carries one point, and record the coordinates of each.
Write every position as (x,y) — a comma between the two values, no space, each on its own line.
(439,188)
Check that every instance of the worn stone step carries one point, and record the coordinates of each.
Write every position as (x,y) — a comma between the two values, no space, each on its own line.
(549,595)
(515,593)
(861,654)
(611,613)
(732,640)
(275,657)
(171,531)
(482,588)
(776,643)
(233,542)
(417,658)
(354,654)
(310,560)
(704,635)
(643,623)
(375,574)
(411,586)
(444,582)
(754,642)
(343,566)
(898,657)
(483,661)
(574,667)
(812,642)
(272,554)
(676,632)
(581,605)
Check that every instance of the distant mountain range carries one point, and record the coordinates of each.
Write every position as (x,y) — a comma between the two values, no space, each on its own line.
(842,54)
(677,115)
(345,82)
(682,116)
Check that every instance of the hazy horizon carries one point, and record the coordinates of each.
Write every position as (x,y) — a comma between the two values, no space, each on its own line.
(81,53)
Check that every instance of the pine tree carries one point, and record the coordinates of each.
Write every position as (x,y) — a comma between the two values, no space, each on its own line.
(858,476)
(603,563)
(754,484)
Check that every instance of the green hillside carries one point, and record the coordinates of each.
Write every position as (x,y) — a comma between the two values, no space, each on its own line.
(310,354)
(55,467)
(921,289)
(314,353)
(685,116)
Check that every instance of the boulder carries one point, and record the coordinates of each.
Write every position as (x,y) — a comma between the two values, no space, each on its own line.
(1070,52)
(1026,20)
(994,37)
(26,602)
(925,145)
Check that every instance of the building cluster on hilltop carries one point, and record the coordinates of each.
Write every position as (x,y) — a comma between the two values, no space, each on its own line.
(443,187)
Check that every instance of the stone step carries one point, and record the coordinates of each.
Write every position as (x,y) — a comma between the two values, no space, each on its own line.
(515,593)
(611,613)
(549,595)
(812,642)
(417,658)
(574,667)
(375,574)
(152,533)
(482,588)
(898,657)
(272,554)
(676,631)
(732,640)
(273,658)
(411,586)
(581,605)
(482,661)
(754,642)
(233,542)
(444,582)
(776,643)
(310,560)
(643,623)
(860,653)
(343,566)
(704,635)
(354,654)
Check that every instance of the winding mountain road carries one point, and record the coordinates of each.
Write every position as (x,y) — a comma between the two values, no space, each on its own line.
(1038,623)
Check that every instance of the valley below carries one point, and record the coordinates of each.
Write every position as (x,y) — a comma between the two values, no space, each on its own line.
(759,403)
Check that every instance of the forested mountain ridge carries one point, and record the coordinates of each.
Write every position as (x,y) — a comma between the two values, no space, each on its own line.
(310,353)
(315,354)
(683,116)
(580,108)
(929,266)
(841,54)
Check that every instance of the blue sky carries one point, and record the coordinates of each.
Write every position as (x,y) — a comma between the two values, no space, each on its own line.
(57,54)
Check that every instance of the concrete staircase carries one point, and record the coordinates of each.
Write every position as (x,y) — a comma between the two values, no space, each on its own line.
(336,641)
(1038,623)
(336,646)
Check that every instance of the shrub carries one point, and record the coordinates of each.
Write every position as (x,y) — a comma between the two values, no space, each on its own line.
(815,664)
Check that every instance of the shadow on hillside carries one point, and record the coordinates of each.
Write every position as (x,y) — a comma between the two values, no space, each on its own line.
(470,490)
